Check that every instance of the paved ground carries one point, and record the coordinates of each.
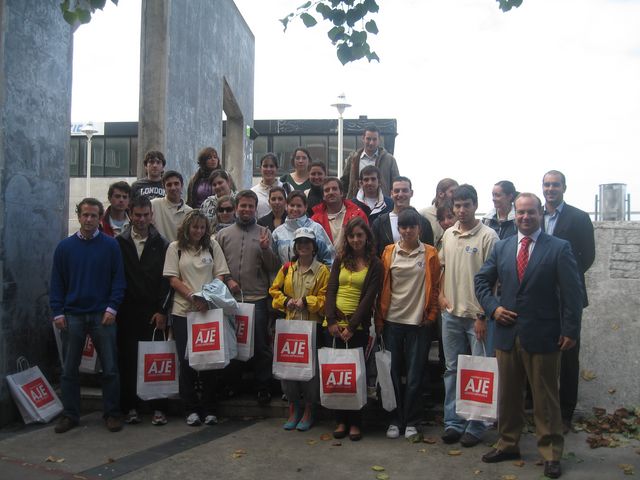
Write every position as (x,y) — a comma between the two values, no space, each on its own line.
(260,449)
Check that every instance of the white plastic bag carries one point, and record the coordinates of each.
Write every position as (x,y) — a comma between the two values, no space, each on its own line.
(34,397)
(89,362)
(158,369)
(383,366)
(343,385)
(477,388)
(245,326)
(211,339)
(294,350)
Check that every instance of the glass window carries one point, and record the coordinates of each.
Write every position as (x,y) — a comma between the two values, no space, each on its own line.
(317,146)
(283,147)
(97,157)
(133,154)
(116,157)
(260,148)
(74,161)
(348,146)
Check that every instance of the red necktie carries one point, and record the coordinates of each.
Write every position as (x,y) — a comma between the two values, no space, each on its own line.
(523,256)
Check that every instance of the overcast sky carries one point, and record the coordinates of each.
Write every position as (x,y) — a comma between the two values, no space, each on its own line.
(479,95)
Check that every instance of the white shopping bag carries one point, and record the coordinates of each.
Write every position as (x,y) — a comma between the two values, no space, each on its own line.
(294,349)
(383,366)
(477,388)
(245,326)
(89,362)
(211,339)
(343,384)
(158,372)
(34,397)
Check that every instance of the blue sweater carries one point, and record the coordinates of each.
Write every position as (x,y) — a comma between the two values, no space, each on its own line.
(87,276)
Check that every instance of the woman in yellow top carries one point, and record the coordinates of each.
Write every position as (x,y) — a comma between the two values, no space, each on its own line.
(299,290)
(356,278)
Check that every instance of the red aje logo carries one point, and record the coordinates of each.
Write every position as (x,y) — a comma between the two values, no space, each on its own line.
(205,337)
(89,349)
(339,378)
(293,348)
(159,367)
(38,392)
(242,327)
(477,386)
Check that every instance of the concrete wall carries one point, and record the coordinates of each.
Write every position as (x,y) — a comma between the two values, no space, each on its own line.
(197,59)
(611,323)
(35,117)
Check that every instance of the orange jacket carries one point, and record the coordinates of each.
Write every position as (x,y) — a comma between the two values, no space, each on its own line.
(431,284)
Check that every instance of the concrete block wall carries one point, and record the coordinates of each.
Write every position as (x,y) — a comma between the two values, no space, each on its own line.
(35,117)
(611,324)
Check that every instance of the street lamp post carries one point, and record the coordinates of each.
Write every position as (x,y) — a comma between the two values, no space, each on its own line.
(89,130)
(341,105)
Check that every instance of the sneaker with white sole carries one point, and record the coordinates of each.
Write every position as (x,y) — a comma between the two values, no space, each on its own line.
(210,420)
(159,418)
(410,432)
(193,420)
(393,431)
(132,417)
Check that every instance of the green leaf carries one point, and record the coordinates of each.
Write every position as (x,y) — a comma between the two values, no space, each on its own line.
(373,56)
(355,14)
(70,17)
(308,20)
(304,6)
(285,22)
(344,53)
(371,5)
(324,10)
(358,37)
(84,16)
(338,16)
(336,33)
(97,4)
(371,27)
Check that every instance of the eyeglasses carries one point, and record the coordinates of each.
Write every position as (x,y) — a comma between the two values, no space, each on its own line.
(225,209)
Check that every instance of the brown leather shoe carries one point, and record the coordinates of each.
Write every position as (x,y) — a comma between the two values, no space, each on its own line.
(552,469)
(65,424)
(495,456)
(114,424)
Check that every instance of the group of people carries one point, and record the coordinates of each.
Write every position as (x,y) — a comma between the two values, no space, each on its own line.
(341,253)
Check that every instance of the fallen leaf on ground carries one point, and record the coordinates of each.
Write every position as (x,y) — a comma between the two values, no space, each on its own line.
(422,450)
(508,477)
(477,472)
(336,444)
(382,476)
(454,453)
(377,468)
(311,442)
(519,463)
(615,326)
(430,440)
(612,391)
(588,375)
(240,451)
(626,468)
(325,436)
(53,459)
(417,438)
(110,460)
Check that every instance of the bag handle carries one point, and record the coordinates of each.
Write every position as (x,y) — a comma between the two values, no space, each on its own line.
(153,335)
(334,344)
(22,364)
(382,343)
(484,351)
(241,296)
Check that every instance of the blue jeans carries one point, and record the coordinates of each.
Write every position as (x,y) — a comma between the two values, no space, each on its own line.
(458,338)
(408,345)
(104,340)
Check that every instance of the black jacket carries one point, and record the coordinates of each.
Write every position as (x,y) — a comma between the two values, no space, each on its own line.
(146,287)
(381,229)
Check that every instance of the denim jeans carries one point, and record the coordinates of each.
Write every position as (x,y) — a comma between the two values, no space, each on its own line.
(408,345)
(104,341)
(458,338)
(263,348)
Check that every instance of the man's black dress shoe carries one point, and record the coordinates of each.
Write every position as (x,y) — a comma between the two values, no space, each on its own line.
(495,456)
(552,469)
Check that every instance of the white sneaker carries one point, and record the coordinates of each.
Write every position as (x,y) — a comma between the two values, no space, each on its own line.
(159,418)
(193,420)
(393,431)
(410,432)
(132,417)
(210,420)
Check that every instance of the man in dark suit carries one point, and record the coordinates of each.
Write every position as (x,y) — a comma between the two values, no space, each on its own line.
(385,227)
(574,225)
(537,316)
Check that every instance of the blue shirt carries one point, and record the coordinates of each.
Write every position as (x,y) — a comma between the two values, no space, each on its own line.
(551,220)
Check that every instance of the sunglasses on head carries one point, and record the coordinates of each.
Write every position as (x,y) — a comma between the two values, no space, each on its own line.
(225,209)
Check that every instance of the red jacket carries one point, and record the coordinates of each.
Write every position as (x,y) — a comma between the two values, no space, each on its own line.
(320,215)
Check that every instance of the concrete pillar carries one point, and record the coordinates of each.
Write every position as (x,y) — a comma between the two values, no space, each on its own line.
(35,117)
(197,59)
